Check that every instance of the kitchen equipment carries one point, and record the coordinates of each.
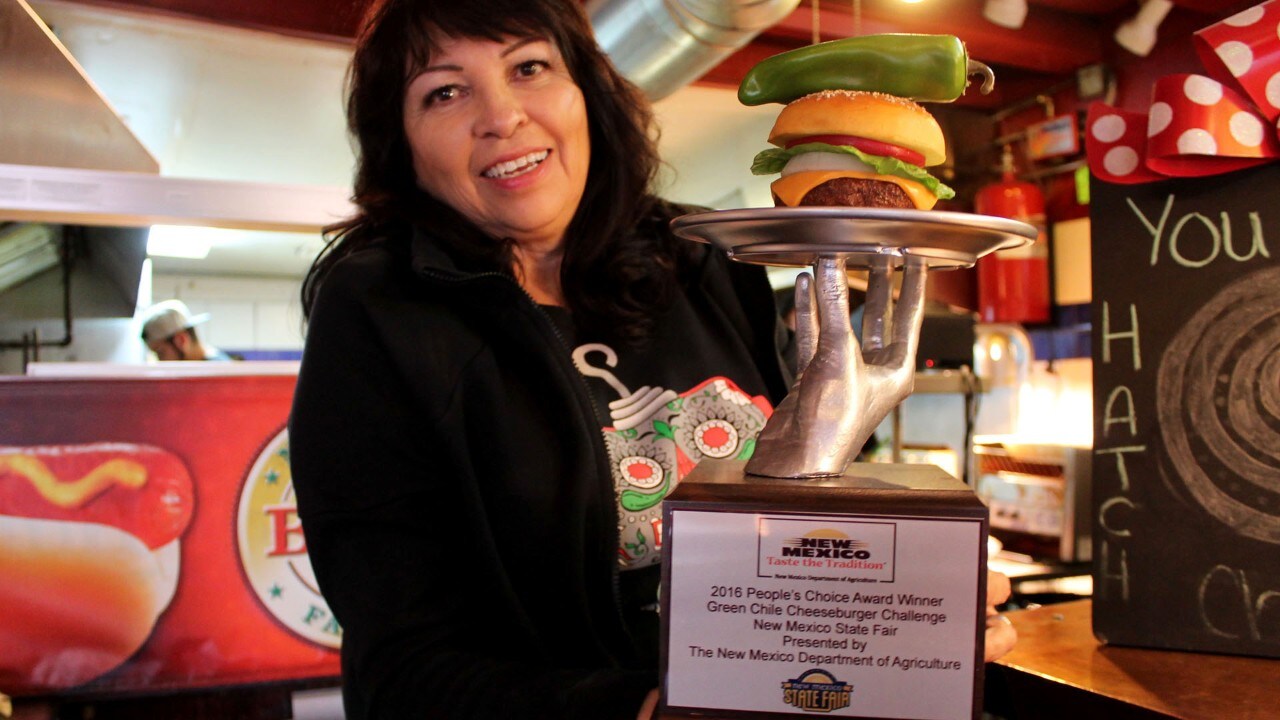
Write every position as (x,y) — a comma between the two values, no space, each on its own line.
(1002,359)
(946,338)
(1039,498)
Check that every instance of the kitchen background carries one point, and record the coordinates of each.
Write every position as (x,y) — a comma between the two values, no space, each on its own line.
(237,101)
(230,115)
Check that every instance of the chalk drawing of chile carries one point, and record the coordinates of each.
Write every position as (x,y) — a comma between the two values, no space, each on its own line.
(658,436)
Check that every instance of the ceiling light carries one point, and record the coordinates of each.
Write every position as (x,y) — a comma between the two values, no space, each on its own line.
(1138,35)
(181,241)
(1006,13)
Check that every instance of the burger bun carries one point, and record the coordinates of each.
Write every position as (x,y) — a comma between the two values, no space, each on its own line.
(876,116)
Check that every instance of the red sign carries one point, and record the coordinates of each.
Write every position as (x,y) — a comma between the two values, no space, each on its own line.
(149,538)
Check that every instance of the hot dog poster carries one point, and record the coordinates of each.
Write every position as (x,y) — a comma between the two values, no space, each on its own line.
(149,539)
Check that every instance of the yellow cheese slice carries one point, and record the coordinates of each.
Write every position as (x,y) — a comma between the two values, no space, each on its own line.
(792,188)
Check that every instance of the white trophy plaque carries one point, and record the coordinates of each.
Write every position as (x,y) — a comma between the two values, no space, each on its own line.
(859,596)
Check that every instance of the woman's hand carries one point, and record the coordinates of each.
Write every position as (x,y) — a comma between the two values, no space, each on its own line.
(843,391)
(649,706)
(1000,636)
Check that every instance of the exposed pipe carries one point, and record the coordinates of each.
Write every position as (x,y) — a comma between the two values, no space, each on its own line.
(663,45)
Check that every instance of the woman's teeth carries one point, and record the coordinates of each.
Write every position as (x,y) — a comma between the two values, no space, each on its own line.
(519,166)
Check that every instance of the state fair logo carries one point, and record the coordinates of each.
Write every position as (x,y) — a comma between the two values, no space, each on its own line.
(273,551)
(816,690)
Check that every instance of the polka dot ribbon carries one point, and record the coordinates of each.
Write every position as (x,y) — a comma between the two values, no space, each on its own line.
(1200,125)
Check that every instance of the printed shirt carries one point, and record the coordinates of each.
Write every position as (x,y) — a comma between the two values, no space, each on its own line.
(690,394)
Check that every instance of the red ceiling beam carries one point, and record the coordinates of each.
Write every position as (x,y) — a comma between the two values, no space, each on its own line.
(1050,46)
(328,20)
(1011,83)
(1215,8)
(1050,41)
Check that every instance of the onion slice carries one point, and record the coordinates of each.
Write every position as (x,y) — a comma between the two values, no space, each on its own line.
(866,145)
(820,161)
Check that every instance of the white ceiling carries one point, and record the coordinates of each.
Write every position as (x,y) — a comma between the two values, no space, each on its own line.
(218,103)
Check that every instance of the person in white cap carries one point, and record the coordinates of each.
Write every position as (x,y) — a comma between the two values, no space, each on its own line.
(169,332)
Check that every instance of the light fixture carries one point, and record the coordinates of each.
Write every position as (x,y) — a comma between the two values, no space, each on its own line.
(1138,35)
(26,250)
(181,241)
(1006,13)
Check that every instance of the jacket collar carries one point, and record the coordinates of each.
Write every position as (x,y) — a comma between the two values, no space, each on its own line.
(428,256)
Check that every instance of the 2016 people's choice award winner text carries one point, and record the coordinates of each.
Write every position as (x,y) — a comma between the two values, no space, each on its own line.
(833,615)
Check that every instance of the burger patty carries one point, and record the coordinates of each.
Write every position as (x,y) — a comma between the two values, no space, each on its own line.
(858,192)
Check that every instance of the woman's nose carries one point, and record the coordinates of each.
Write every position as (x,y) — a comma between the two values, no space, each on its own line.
(501,114)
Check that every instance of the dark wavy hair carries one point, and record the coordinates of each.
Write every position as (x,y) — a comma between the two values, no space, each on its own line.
(619,263)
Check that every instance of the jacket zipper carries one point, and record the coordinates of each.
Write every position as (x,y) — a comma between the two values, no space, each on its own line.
(601,452)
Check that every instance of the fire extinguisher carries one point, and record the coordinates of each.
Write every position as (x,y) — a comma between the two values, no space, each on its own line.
(1013,285)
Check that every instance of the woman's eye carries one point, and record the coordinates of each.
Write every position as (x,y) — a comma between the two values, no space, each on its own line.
(531,68)
(441,94)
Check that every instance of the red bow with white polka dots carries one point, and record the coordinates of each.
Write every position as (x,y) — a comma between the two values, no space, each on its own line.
(1200,125)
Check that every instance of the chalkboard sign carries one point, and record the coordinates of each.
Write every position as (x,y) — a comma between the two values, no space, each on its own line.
(1186,352)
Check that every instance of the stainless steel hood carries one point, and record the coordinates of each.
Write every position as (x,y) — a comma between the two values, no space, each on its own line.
(129,199)
(50,112)
(66,157)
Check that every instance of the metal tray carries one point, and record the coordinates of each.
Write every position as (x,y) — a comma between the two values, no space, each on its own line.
(796,237)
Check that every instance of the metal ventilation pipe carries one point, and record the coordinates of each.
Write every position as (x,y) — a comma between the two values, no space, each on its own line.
(663,45)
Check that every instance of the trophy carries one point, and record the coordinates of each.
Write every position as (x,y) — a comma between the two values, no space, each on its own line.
(801,582)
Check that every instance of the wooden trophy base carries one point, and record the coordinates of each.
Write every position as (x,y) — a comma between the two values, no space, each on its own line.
(862,595)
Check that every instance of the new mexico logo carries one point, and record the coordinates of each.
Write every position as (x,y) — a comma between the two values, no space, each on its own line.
(816,690)
(824,548)
(273,551)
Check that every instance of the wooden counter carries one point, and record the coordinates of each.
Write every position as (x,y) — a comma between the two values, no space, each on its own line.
(1059,670)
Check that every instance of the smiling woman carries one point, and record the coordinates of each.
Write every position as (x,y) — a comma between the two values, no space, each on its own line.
(498,131)
(611,281)
(510,362)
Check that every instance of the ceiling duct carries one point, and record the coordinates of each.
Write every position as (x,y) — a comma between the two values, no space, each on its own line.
(663,45)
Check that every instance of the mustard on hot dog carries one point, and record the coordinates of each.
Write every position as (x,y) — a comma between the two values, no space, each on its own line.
(89,556)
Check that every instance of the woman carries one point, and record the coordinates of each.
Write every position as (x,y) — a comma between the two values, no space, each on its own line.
(508,290)
(509,362)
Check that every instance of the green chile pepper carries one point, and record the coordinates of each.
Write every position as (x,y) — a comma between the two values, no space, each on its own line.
(924,68)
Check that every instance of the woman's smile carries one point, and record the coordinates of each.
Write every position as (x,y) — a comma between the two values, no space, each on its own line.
(522,165)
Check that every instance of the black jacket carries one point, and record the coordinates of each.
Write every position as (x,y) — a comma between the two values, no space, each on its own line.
(455,492)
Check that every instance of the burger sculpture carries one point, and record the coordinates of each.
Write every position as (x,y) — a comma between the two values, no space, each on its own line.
(852,132)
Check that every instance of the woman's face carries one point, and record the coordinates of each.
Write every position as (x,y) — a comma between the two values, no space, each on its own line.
(498,131)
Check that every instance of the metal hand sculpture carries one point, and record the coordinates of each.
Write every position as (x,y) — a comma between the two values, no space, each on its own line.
(843,392)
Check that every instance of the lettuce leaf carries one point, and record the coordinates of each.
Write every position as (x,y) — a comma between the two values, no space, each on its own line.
(771,161)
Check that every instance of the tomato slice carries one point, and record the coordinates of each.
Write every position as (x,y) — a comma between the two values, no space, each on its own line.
(866,145)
